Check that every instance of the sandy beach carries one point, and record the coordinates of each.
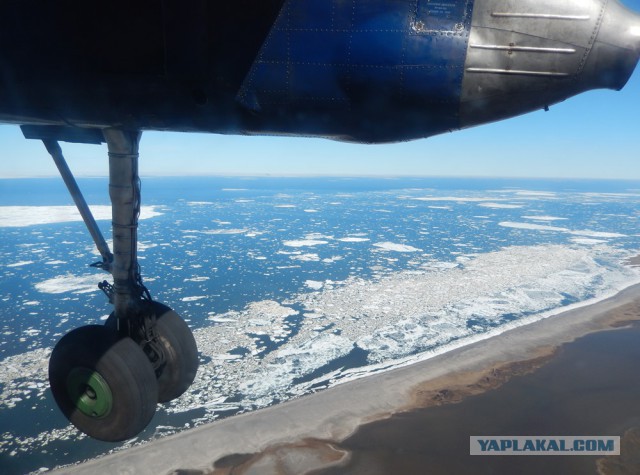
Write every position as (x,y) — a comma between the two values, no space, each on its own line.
(331,431)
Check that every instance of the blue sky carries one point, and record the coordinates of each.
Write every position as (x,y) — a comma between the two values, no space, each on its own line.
(594,135)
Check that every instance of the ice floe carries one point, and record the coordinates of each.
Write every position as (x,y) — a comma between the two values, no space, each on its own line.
(197,279)
(308,257)
(540,227)
(305,243)
(353,239)
(314,284)
(588,241)
(20,216)
(332,259)
(193,298)
(536,194)
(500,205)
(395,247)
(544,218)
(531,226)
(20,264)
(224,231)
(455,199)
(77,284)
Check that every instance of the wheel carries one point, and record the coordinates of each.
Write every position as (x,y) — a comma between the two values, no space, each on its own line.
(106,387)
(179,349)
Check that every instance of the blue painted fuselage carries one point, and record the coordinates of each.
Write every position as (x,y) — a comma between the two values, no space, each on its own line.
(339,65)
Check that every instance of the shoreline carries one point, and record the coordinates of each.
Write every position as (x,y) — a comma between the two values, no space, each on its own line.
(305,431)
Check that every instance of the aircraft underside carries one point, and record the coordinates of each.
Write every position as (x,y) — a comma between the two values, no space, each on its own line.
(363,71)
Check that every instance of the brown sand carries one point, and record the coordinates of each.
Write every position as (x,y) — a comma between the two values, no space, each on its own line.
(590,387)
(312,434)
(455,387)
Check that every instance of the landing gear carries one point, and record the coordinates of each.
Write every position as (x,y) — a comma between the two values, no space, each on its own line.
(108,379)
(180,354)
(104,385)
(172,350)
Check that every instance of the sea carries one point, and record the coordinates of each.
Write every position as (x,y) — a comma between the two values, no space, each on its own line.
(295,285)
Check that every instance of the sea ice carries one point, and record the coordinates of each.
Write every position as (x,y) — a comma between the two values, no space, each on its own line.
(536,194)
(314,284)
(455,199)
(500,206)
(535,227)
(193,298)
(20,264)
(392,316)
(588,241)
(353,239)
(391,246)
(540,227)
(544,218)
(20,216)
(224,231)
(309,257)
(70,283)
(304,243)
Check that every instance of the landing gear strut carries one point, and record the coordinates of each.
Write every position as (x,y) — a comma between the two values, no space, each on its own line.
(108,379)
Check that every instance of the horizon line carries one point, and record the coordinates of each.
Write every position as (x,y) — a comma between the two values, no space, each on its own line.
(328,175)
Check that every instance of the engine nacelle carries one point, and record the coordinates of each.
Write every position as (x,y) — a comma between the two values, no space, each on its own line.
(528,54)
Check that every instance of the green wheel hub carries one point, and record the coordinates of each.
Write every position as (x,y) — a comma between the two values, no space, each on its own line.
(89,392)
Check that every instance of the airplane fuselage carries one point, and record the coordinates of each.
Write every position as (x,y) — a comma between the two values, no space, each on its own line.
(366,71)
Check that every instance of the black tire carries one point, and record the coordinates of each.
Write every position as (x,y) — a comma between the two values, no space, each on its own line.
(180,352)
(106,387)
